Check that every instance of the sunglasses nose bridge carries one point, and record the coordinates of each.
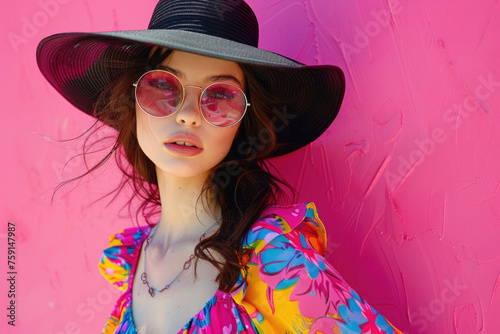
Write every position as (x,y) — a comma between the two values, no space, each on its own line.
(185,94)
(193,102)
(199,87)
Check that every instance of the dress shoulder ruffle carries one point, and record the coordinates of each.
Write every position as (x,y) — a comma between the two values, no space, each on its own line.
(282,220)
(120,258)
(116,265)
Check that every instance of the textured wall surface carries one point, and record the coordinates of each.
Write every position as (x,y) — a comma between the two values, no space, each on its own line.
(407,179)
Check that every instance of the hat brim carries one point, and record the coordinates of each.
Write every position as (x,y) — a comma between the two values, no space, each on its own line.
(68,61)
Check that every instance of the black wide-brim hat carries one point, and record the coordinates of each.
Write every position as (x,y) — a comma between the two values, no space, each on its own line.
(77,64)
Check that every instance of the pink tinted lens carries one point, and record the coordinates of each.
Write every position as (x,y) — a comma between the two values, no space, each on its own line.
(223,104)
(159,93)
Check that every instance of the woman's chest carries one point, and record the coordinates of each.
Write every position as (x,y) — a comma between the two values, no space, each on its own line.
(170,310)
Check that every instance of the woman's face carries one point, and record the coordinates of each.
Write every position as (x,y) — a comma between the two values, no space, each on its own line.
(161,139)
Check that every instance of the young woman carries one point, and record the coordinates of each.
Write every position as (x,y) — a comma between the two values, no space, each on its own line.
(198,109)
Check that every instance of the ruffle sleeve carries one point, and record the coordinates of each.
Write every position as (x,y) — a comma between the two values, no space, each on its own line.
(291,288)
(117,264)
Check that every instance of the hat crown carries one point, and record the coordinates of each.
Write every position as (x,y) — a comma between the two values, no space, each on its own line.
(229,19)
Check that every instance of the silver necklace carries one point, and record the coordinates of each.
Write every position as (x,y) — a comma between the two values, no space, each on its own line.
(187,264)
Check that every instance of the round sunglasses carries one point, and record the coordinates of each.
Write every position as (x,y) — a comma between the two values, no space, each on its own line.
(160,94)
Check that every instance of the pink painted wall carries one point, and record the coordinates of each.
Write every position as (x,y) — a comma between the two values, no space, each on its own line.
(407,179)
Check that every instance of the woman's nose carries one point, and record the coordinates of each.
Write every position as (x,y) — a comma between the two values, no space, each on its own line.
(190,112)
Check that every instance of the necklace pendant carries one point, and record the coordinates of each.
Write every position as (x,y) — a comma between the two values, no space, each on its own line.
(151,292)
(144,278)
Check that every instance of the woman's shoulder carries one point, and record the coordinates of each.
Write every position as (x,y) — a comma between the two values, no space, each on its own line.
(121,255)
(297,223)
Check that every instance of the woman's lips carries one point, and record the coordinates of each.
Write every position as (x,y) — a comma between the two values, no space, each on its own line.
(187,151)
(183,138)
(185,144)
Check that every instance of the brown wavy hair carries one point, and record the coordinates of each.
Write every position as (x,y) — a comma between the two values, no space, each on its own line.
(243,183)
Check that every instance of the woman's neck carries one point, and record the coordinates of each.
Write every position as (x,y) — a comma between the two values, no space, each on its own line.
(184,213)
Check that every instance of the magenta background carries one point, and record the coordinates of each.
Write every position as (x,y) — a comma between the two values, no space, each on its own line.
(406,180)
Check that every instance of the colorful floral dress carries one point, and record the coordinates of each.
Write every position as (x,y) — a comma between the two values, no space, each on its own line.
(288,288)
